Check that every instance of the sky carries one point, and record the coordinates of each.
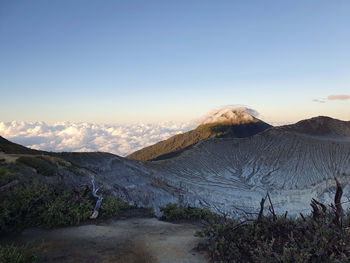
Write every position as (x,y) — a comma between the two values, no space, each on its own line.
(155,61)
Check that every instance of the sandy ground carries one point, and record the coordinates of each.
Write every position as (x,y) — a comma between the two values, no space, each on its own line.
(136,240)
(9,158)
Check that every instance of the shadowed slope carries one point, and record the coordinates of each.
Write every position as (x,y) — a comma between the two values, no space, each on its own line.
(176,144)
(320,126)
(14,148)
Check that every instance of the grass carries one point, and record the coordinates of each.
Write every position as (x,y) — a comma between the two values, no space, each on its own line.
(17,254)
(322,236)
(278,240)
(173,212)
(40,164)
(33,203)
(6,176)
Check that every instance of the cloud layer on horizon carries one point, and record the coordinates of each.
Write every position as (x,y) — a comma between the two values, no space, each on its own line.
(120,139)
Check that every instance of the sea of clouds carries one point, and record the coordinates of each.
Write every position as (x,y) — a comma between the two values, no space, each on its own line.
(120,139)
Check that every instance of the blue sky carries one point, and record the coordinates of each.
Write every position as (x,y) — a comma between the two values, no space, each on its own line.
(125,61)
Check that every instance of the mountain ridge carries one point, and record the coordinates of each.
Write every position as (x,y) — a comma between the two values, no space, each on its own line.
(180,142)
(224,174)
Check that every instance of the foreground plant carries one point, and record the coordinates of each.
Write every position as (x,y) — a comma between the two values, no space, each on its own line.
(323,236)
(32,203)
(173,212)
(17,254)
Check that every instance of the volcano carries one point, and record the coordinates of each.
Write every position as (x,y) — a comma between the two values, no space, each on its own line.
(223,123)
(293,163)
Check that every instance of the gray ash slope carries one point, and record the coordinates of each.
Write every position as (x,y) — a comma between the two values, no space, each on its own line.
(294,163)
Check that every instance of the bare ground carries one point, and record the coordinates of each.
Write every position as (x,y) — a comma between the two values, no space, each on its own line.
(135,240)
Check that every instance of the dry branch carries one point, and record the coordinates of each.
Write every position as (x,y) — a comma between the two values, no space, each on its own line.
(338,220)
(99,199)
(272,210)
(262,202)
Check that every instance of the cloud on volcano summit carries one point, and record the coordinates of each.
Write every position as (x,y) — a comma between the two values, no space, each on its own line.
(230,113)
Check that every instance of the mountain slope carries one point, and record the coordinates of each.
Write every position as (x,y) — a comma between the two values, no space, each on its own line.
(285,161)
(13,148)
(321,126)
(176,144)
(294,163)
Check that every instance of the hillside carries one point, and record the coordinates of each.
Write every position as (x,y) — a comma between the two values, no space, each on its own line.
(178,143)
(13,148)
(294,163)
(321,126)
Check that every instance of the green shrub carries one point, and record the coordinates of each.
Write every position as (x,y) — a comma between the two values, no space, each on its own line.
(23,206)
(7,176)
(67,208)
(40,164)
(173,212)
(37,204)
(279,239)
(111,207)
(17,254)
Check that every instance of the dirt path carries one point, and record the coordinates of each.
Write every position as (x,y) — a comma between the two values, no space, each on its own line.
(138,240)
(8,158)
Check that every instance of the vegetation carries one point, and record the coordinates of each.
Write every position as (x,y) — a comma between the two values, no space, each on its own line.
(37,204)
(17,254)
(178,143)
(323,236)
(40,164)
(6,176)
(13,148)
(173,212)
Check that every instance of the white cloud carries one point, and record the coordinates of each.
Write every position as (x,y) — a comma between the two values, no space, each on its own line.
(231,113)
(319,100)
(333,97)
(119,139)
(339,97)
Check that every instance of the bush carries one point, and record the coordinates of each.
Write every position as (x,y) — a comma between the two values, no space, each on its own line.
(320,237)
(40,164)
(66,208)
(279,240)
(173,212)
(6,176)
(14,254)
(37,204)
(111,207)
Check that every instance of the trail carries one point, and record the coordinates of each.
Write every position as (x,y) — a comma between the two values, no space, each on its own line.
(136,240)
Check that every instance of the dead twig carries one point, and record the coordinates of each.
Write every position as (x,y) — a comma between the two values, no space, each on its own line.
(99,199)
(272,210)
(262,202)
(315,209)
(338,220)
